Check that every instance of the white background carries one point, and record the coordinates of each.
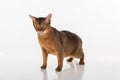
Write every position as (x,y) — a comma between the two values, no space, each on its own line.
(97,22)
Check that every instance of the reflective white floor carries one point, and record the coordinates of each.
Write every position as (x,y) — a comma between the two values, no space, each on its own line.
(28,68)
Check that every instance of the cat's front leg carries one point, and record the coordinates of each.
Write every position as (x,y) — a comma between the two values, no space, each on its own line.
(60,61)
(45,55)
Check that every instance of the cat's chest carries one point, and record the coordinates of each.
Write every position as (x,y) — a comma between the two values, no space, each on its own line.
(47,45)
(44,42)
(49,48)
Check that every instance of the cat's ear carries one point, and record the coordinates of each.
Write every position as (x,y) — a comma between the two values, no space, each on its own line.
(48,18)
(33,18)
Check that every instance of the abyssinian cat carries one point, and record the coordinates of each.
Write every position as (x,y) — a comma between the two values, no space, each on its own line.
(59,43)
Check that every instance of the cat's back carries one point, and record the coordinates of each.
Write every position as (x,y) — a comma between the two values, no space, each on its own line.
(71,36)
(65,36)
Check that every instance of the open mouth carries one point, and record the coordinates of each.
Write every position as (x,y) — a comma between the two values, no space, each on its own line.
(41,29)
(41,32)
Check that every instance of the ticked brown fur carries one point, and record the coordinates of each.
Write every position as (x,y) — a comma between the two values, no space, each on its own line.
(59,43)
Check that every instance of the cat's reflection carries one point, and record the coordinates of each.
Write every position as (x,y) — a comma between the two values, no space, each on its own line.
(75,72)
(45,77)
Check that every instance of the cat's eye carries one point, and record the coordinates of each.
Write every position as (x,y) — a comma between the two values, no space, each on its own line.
(35,25)
(43,27)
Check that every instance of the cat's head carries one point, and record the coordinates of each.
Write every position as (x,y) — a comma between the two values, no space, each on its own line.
(41,24)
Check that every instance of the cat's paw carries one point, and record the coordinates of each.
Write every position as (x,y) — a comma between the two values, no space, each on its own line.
(58,69)
(81,63)
(43,67)
(70,60)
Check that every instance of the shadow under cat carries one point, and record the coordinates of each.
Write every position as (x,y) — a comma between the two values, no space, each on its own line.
(75,72)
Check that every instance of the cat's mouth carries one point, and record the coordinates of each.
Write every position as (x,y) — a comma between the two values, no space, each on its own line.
(41,32)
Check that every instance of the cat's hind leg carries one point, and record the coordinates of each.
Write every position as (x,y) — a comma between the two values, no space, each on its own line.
(82,60)
(60,61)
(70,59)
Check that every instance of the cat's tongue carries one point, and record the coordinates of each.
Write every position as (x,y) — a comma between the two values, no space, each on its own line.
(40,32)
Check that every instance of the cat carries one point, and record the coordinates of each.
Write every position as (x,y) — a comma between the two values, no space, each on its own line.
(59,43)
